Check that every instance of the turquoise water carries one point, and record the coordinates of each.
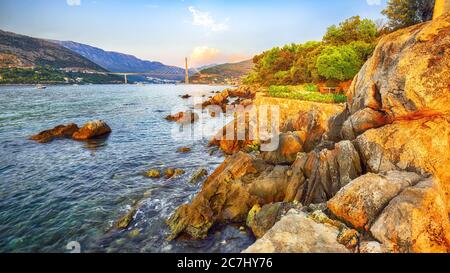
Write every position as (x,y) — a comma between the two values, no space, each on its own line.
(55,193)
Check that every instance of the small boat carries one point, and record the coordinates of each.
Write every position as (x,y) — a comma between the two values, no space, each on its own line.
(40,86)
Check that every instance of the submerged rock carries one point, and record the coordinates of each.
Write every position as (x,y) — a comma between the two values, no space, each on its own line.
(125,221)
(61,131)
(169,173)
(184,150)
(153,173)
(198,175)
(187,117)
(91,130)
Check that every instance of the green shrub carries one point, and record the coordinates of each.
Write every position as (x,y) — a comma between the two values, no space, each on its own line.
(299,93)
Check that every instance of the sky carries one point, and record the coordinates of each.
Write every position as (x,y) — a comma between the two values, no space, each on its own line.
(205,31)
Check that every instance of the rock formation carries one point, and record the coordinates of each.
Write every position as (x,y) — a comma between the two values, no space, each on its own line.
(380,164)
(90,130)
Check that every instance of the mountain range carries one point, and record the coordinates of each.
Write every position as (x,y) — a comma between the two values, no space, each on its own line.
(23,51)
(119,62)
(230,73)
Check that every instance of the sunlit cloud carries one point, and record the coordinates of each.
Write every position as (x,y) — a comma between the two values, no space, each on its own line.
(373,2)
(204,19)
(73,2)
(204,55)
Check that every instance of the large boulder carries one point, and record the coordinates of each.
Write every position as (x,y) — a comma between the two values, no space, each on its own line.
(419,145)
(298,233)
(415,221)
(61,131)
(363,199)
(91,130)
(408,77)
(290,144)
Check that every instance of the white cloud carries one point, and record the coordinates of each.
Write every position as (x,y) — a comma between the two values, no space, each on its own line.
(73,2)
(204,19)
(373,2)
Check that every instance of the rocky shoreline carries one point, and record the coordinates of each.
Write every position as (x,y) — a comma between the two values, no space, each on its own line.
(369,176)
(372,178)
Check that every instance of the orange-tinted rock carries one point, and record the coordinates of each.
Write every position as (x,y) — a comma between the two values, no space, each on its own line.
(183,117)
(420,145)
(363,199)
(235,136)
(61,131)
(415,221)
(407,77)
(223,198)
(290,144)
(91,130)
(321,174)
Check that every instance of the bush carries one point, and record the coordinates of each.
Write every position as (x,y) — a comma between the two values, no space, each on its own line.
(299,93)
(339,63)
(311,87)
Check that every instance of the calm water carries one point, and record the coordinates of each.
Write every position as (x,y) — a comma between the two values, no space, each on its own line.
(52,194)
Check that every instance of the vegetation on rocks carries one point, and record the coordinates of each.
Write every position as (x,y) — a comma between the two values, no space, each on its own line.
(380,165)
(300,93)
(338,56)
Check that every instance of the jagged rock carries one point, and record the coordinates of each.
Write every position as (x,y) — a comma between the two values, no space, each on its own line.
(309,125)
(297,233)
(91,130)
(235,136)
(362,121)
(198,175)
(290,144)
(363,199)
(407,78)
(223,198)
(319,175)
(271,185)
(418,145)
(415,221)
(245,92)
(61,131)
(264,218)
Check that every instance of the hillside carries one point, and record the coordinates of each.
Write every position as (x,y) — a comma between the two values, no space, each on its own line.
(230,73)
(119,62)
(23,51)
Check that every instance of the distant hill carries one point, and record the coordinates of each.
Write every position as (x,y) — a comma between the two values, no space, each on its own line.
(119,62)
(22,51)
(230,73)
